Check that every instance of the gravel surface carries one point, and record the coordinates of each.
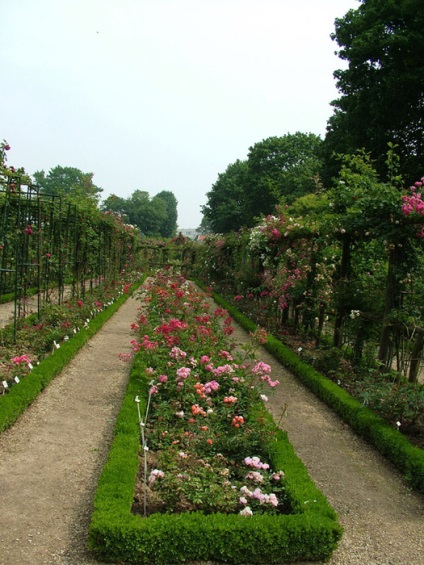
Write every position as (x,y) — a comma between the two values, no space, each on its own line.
(383,520)
(50,461)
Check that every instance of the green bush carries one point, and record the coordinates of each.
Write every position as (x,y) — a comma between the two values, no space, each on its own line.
(399,402)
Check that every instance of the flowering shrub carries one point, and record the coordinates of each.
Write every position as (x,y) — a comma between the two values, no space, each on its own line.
(414,203)
(204,448)
(354,247)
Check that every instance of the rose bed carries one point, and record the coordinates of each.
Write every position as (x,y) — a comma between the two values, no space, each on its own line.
(151,505)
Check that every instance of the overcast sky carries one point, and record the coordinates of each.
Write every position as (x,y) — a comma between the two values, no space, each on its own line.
(161,94)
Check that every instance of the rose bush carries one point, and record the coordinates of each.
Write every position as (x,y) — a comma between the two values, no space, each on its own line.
(202,445)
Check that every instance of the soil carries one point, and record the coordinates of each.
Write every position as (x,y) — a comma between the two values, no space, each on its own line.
(51,459)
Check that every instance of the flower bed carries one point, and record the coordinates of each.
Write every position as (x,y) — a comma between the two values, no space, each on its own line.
(45,346)
(198,459)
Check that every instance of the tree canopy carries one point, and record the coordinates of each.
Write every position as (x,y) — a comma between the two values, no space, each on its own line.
(68,181)
(281,168)
(382,94)
(155,217)
(277,169)
(169,225)
(225,210)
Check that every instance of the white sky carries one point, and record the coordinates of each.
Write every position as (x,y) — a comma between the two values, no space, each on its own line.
(161,94)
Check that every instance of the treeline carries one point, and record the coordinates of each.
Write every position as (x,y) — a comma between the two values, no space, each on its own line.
(277,169)
(154,216)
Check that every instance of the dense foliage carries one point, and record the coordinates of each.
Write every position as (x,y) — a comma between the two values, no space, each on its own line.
(276,169)
(155,217)
(68,181)
(382,96)
(225,209)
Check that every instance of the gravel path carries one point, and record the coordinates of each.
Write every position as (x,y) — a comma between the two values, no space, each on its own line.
(50,461)
(7,310)
(382,518)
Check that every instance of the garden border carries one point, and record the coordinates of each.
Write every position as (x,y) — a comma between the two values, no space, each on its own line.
(17,400)
(390,443)
(311,532)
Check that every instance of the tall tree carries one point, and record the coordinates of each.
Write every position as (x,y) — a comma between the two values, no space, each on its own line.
(382,94)
(68,181)
(281,168)
(154,217)
(225,209)
(147,215)
(169,225)
(277,169)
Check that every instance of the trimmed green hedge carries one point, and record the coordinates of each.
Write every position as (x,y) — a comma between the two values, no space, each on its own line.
(311,532)
(20,396)
(387,440)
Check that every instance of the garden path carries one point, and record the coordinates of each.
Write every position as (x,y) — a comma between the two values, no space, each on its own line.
(50,461)
(383,520)
(7,310)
